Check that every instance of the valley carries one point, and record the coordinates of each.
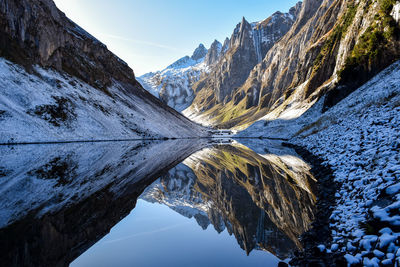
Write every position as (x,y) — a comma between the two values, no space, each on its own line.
(277,145)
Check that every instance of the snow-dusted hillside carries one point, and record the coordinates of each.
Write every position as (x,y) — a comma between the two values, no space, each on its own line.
(173,85)
(59,83)
(51,106)
(359,138)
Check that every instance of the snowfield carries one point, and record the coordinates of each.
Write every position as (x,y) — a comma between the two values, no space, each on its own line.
(49,106)
(360,139)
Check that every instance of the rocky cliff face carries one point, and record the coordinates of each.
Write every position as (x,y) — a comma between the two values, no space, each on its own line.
(37,32)
(333,46)
(213,53)
(60,83)
(248,45)
(226,66)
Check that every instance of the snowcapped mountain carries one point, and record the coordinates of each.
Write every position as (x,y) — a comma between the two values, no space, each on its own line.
(247,47)
(173,85)
(223,68)
(330,48)
(58,83)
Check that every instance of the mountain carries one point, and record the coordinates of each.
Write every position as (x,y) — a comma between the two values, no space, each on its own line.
(213,53)
(173,85)
(223,68)
(59,83)
(331,49)
(248,45)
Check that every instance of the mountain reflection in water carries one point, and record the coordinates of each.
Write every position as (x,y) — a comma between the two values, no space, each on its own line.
(57,201)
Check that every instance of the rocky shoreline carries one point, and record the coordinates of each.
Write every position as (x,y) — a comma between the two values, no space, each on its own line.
(316,240)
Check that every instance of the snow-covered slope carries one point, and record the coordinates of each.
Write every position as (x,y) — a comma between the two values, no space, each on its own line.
(59,83)
(359,138)
(51,106)
(173,85)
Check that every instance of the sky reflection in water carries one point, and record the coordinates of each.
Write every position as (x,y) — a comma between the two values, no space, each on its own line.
(155,235)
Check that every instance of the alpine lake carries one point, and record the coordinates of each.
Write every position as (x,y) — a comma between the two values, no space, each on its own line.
(196,202)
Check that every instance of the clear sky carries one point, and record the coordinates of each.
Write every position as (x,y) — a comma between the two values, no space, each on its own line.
(151,34)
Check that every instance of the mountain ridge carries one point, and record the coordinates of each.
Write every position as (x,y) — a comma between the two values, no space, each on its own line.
(252,39)
(330,39)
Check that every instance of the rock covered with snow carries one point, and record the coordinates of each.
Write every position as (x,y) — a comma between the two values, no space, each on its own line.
(52,106)
(358,138)
(199,53)
(173,85)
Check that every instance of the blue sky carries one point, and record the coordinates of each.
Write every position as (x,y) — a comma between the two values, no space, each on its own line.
(151,34)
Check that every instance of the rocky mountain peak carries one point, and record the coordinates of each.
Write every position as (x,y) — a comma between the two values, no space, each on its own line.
(225,46)
(199,52)
(294,11)
(244,25)
(241,34)
(213,53)
(248,45)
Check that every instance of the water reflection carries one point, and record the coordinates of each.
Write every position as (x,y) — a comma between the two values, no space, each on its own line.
(57,201)
(265,201)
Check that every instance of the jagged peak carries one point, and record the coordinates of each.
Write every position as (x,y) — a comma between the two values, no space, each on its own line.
(199,52)
(244,23)
(216,42)
(213,53)
(225,46)
(296,9)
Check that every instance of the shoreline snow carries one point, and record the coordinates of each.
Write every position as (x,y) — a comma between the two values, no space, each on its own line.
(359,139)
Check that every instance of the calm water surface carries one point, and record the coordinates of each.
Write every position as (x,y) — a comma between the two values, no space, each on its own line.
(170,203)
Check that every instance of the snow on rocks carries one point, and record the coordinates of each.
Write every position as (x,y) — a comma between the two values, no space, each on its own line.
(173,85)
(52,106)
(359,139)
